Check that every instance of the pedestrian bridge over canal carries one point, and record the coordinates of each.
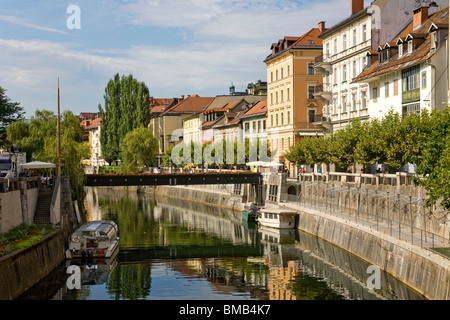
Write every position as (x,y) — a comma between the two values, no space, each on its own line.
(174,179)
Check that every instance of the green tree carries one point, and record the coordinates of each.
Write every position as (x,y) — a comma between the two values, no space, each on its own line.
(39,138)
(10,112)
(343,144)
(431,155)
(126,107)
(138,149)
(30,137)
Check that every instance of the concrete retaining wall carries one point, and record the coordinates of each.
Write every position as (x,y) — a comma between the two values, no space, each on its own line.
(18,200)
(21,269)
(426,272)
(220,196)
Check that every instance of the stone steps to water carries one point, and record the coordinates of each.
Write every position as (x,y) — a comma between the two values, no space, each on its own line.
(42,212)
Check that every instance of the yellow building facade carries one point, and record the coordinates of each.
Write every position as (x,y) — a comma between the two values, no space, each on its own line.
(291,81)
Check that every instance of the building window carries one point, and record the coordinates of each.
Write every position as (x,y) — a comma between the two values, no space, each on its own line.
(288,94)
(395,87)
(282,119)
(311,90)
(271,120)
(411,109)
(386,89)
(282,76)
(344,42)
(363,100)
(276,97)
(375,94)
(354,69)
(344,73)
(282,95)
(410,78)
(364,33)
(311,115)
(344,104)
(288,70)
(353,101)
(271,77)
(247,127)
(354,37)
(288,117)
(264,125)
(424,80)
(335,46)
(434,42)
(311,69)
(410,46)
(400,50)
(276,120)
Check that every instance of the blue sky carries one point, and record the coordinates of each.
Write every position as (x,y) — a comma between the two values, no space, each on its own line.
(177,47)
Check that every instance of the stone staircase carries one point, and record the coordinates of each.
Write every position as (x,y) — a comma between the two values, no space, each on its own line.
(42,213)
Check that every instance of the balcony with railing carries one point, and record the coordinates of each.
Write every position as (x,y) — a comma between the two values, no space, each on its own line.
(322,121)
(323,92)
(322,63)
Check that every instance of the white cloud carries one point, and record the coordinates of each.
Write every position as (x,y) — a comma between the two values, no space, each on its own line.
(26,23)
(228,42)
(235,20)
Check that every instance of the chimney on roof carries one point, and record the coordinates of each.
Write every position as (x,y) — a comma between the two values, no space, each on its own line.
(182,97)
(420,16)
(356,6)
(322,26)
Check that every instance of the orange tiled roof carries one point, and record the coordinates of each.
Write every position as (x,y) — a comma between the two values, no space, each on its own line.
(191,104)
(309,39)
(94,124)
(259,108)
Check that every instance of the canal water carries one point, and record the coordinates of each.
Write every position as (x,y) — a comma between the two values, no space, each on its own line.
(179,250)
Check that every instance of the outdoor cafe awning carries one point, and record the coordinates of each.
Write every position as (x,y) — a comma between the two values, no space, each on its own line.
(273,164)
(38,165)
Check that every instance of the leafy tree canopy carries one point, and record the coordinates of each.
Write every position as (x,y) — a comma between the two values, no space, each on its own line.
(10,112)
(126,107)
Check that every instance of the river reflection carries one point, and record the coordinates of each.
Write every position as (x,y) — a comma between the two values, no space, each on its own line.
(177,250)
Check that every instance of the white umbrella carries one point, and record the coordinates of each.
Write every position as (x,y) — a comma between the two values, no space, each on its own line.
(273,164)
(256,164)
(38,165)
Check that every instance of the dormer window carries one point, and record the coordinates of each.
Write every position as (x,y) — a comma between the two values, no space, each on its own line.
(400,50)
(434,40)
(410,46)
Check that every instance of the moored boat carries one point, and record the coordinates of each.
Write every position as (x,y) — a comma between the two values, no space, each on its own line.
(250,213)
(277,218)
(94,239)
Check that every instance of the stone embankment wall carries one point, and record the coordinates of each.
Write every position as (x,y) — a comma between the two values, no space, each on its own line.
(426,272)
(225,196)
(21,269)
(18,199)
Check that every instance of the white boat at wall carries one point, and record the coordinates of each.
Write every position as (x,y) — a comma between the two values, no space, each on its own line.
(277,218)
(94,239)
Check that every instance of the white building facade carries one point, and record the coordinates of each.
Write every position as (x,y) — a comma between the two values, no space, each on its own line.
(345,48)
